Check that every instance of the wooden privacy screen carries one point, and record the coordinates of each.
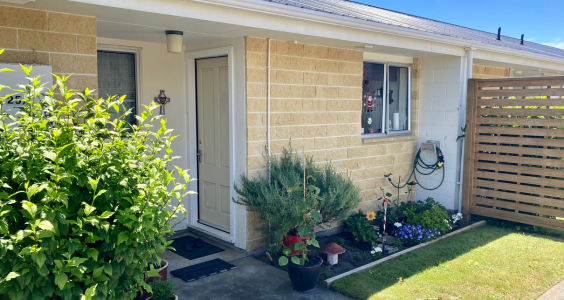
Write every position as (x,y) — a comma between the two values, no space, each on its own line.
(514,150)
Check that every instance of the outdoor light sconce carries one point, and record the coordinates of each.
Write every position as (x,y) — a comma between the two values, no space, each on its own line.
(174,41)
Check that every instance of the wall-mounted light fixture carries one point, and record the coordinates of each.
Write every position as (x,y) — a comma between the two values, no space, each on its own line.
(174,41)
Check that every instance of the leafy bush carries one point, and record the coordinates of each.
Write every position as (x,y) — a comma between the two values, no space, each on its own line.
(340,196)
(436,218)
(84,203)
(361,230)
(162,290)
(399,213)
(416,234)
(274,200)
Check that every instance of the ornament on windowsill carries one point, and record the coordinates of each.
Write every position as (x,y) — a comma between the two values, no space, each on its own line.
(369,101)
(162,100)
(370,130)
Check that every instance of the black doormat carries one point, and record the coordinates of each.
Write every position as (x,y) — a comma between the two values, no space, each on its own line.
(203,270)
(207,249)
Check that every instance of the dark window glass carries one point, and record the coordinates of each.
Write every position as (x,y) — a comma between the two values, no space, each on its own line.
(116,77)
(372,98)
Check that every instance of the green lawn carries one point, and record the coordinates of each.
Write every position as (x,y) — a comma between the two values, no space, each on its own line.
(484,263)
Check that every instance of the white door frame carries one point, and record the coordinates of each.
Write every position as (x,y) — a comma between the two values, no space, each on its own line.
(238,217)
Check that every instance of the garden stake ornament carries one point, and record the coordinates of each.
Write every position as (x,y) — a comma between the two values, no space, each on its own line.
(384,231)
(162,100)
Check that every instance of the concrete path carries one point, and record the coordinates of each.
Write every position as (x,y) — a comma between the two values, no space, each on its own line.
(555,293)
(252,280)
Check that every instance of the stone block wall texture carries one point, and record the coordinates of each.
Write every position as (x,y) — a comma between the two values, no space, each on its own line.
(316,102)
(483,72)
(66,42)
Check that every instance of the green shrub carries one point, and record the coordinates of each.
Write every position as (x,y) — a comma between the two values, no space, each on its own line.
(430,219)
(162,290)
(398,213)
(361,230)
(84,203)
(341,197)
(274,200)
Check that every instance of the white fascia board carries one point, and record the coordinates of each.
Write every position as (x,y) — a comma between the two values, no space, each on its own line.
(516,60)
(180,8)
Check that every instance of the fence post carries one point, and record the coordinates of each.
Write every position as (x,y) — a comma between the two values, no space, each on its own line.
(467,179)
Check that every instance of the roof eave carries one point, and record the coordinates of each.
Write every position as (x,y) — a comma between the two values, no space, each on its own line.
(270,8)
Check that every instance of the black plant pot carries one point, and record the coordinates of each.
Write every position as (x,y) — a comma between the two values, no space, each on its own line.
(305,277)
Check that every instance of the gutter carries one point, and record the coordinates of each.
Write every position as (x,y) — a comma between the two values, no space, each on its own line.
(276,9)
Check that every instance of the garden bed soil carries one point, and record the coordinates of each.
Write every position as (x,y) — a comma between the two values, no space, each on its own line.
(357,255)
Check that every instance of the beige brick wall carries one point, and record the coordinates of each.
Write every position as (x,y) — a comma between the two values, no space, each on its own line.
(483,72)
(66,42)
(316,102)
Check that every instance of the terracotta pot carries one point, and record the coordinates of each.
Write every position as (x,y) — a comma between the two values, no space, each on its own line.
(292,239)
(163,277)
(162,272)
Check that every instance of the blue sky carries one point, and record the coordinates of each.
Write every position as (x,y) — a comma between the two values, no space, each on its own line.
(542,21)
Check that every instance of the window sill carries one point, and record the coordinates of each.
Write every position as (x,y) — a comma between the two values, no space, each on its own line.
(381,136)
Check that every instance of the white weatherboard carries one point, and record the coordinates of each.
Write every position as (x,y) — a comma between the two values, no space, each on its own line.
(18,77)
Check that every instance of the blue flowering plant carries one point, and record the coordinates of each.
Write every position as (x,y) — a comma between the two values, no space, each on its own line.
(412,235)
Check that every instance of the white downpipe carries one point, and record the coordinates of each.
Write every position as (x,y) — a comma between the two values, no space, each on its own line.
(268,107)
(469,67)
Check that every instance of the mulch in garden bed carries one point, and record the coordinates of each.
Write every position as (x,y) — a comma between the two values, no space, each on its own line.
(357,255)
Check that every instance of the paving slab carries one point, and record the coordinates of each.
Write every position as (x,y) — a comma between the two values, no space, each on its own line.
(176,261)
(555,293)
(252,280)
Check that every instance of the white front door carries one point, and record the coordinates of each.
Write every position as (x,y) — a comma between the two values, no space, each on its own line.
(213,142)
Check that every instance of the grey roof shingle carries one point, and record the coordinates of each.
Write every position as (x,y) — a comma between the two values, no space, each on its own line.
(384,16)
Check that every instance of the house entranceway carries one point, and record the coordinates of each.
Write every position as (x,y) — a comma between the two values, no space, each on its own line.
(514,154)
(212,92)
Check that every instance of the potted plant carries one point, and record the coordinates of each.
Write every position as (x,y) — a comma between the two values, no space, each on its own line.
(270,199)
(163,290)
(304,269)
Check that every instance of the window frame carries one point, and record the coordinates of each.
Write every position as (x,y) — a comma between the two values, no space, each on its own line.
(136,51)
(386,117)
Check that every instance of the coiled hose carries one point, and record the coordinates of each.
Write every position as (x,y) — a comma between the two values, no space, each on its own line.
(419,165)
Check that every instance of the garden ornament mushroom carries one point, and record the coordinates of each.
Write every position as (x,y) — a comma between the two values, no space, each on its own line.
(333,250)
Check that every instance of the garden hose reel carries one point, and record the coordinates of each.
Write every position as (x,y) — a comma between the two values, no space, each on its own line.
(419,166)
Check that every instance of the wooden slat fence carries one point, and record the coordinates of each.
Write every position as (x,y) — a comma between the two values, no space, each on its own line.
(514,150)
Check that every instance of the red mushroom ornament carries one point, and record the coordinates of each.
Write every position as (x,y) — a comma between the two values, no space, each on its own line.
(333,250)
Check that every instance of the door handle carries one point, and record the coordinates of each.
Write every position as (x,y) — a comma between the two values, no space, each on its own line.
(199,154)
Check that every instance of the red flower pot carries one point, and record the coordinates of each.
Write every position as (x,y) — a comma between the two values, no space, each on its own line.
(289,240)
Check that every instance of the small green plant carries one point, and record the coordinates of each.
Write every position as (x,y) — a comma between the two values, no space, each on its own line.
(358,257)
(327,271)
(162,290)
(361,230)
(398,243)
(436,218)
(341,242)
(307,217)
(376,253)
